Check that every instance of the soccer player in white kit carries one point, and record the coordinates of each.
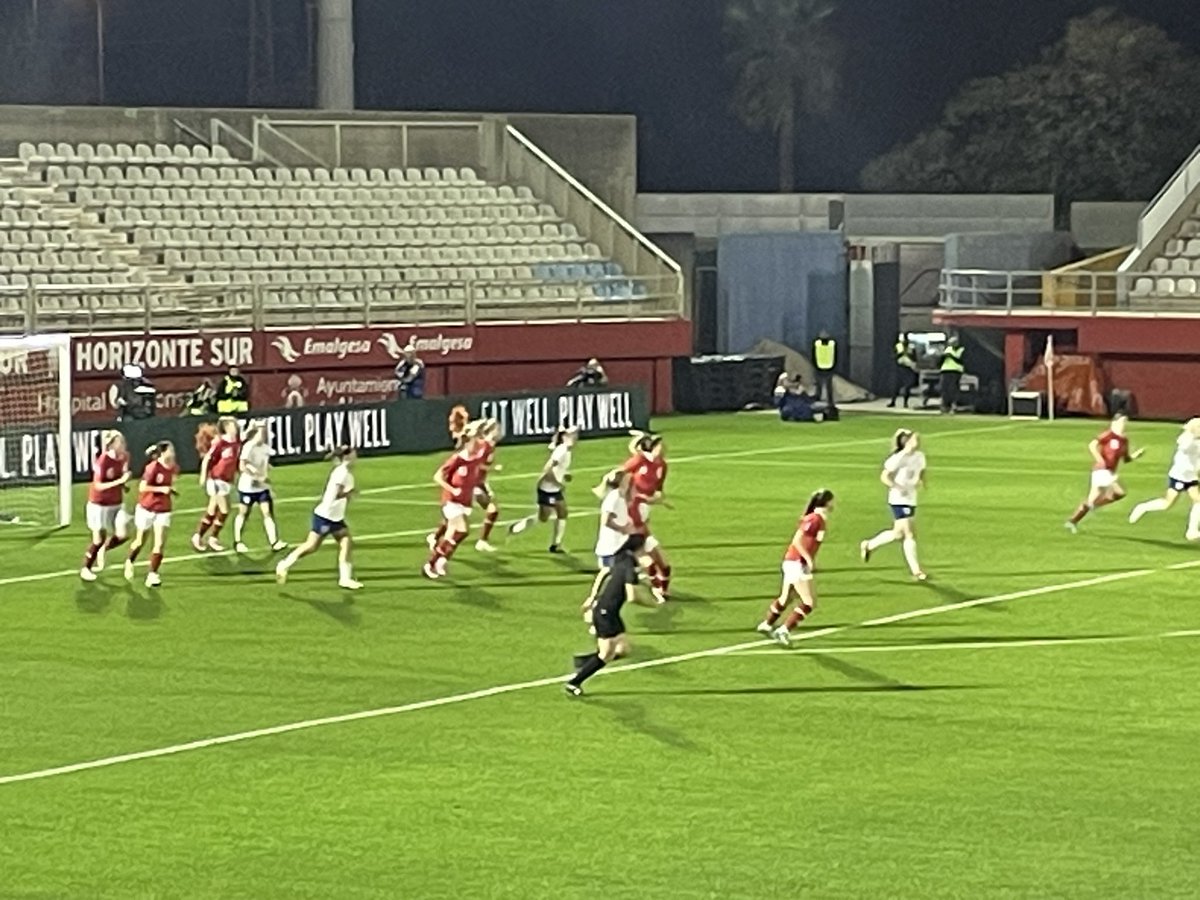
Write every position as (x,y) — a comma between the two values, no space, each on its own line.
(329,518)
(904,475)
(616,525)
(552,488)
(1183,477)
(254,488)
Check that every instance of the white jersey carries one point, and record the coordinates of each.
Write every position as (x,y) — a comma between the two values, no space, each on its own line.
(560,465)
(609,540)
(1186,464)
(257,457)
(905,470)
(333,507)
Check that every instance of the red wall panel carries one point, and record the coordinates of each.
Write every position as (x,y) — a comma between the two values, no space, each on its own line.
(1164,387)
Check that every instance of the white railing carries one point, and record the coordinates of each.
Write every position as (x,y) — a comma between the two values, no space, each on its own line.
(331,135)
(1078,292)
(98,308)
(1166,203)
(526,163)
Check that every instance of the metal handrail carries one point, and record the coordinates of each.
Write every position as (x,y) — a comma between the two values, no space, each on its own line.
(1090,292)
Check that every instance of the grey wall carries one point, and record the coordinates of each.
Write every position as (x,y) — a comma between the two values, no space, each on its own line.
(1105,226)
(866,216)
(1009,252)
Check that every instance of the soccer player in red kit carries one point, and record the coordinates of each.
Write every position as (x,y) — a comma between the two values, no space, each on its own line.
(648,469)
(105,512)
(218,469)
(489,436)
(153,513)
(458,477)
(797,567)
(1109,450)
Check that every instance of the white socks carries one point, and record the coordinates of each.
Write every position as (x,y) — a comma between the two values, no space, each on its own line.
(1159,505)
(910,555)
(881,540)
(1194,522)
(345,571)
(560,528)
(268,527)
(239,523)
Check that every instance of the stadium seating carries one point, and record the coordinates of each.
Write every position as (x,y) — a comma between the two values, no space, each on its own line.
(1176,271)
(198,223)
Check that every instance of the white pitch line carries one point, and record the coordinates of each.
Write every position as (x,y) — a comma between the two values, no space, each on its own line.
(429,486)
(484,693)
(969,645)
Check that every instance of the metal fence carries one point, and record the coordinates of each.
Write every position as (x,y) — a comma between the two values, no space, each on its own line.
(1087,292)
(89,309)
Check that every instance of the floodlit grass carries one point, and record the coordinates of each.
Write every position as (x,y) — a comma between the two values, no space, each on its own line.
(1036,769)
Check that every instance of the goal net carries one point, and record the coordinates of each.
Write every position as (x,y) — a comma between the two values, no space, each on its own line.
(35,430)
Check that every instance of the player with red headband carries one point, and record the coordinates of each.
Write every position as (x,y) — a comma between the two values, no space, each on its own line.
(798,563)
(458,477)
(106,516)
(648,469)
(1108,450)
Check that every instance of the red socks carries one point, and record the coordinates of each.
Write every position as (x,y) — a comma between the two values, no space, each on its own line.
(445,548)
(489,522)
(89,558)
(799,614)
(114,542)
(133,553)
(774,611)
(218,524)
(155,561)
(205,524)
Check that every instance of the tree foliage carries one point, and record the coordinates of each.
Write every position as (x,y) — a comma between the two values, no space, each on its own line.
(1107,113)
(785,59)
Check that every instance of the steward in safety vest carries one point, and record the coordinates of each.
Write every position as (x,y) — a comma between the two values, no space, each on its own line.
(233,394)
(824,357)
(951,375)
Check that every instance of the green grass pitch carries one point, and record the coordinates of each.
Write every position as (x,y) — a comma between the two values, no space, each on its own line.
(1047,744)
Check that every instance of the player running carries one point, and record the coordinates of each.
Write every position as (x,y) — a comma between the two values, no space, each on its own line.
(217,471)
(648,469)
(457,477)
(904,475)
(153,512)
(106,516)
(1182,477)
(552,488)
(618,587)
(1109,450)
(798,565)
(489,437)
(329,518)
(254,488)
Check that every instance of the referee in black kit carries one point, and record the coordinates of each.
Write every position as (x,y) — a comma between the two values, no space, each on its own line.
(618,587)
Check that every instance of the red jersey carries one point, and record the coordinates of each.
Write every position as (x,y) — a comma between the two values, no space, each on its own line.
(811,531)
(107,468)
(223,458)
(1113,449)
(461,472)
(649,474)
(486,454)
(637,515)
(156,474)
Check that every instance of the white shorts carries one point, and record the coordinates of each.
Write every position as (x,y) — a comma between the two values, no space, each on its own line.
(453,510)
(794,571)
(1103,479)
(144,519)
(651,543)
(215,488)
(102,518)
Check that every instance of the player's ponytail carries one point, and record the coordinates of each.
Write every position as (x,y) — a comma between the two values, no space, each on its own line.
(339,454)
(819,500)
(156,451)
(900,439)
(108,437)
(611,482)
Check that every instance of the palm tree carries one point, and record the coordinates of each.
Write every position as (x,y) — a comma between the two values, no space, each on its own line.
(786,59)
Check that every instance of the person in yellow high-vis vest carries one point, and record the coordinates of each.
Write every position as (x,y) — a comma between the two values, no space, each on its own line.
(824,357)
(951,374)
(233,394)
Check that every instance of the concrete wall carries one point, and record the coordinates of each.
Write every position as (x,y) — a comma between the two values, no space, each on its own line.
(1104,226)
(865,215)
(599,150)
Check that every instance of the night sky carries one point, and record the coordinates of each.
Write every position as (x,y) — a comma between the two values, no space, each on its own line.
(659,59)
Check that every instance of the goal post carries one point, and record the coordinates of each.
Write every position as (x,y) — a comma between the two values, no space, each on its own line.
(35,429)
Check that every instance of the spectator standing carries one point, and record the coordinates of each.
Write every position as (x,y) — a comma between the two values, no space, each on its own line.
(906,370)
(590,374)
(824,357)
(233,394)
(951,374)
(410,373)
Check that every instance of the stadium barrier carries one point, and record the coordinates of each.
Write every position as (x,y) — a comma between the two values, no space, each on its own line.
(306,434)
